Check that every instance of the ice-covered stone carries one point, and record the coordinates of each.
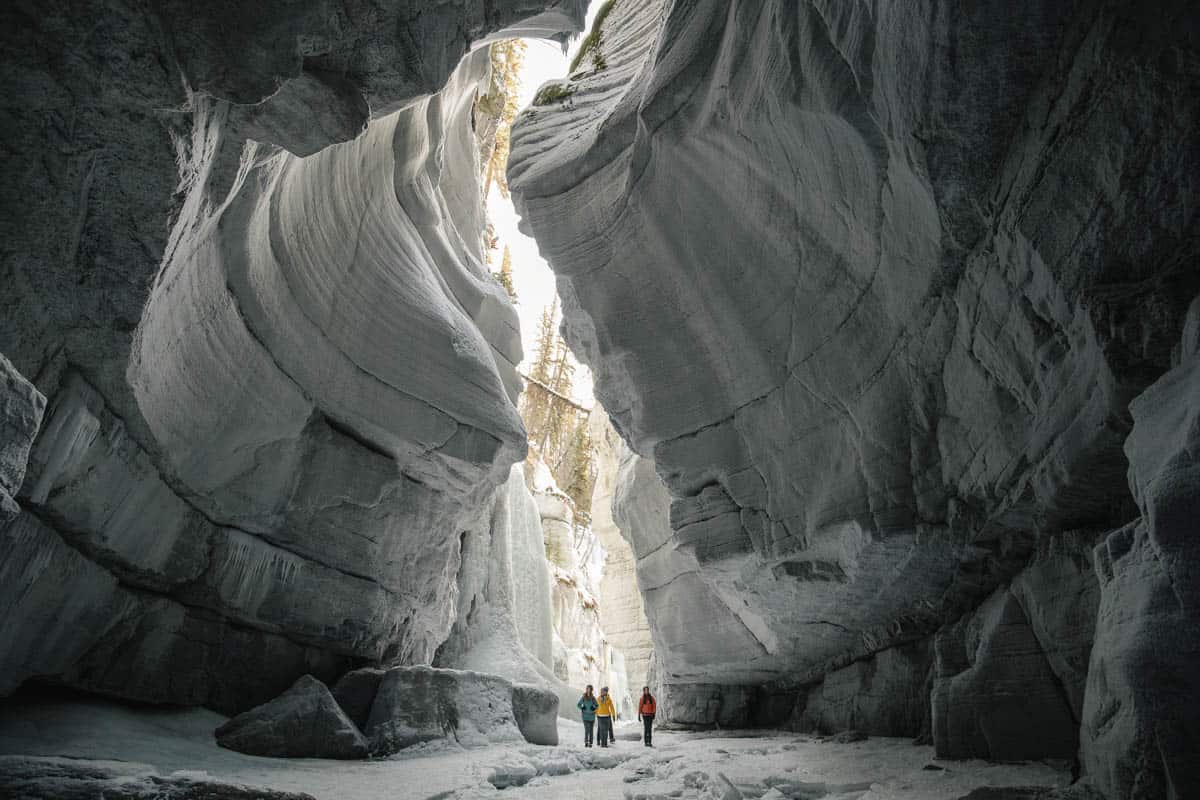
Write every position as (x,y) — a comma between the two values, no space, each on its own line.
(355,692)
(303,722)
(513,772)
(536,712)
(421,704)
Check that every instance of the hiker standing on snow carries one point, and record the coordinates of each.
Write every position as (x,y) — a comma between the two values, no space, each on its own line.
(605,713)
(587,706)
(646,709)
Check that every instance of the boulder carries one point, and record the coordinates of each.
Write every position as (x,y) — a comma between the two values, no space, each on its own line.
(355,693)
(415,704)
(303,722)
(536,712)
(511,772)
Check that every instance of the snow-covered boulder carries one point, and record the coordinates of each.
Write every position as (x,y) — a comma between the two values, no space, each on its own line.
(303,722)
(421,704)
(355,693)
(536,712)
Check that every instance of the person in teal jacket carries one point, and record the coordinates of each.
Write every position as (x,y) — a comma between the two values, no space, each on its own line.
(587,706)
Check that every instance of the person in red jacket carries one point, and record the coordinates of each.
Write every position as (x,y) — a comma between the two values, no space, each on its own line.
(646,709)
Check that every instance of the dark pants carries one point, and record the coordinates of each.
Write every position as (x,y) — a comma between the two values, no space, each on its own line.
(588,725)
(604,730)
(647,723)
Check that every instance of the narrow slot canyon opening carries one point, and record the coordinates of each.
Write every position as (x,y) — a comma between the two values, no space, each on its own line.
(373,378)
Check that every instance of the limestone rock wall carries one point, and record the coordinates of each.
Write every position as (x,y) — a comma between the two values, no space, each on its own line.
(1139,736)
(884,695)
(872,291)
(242,263)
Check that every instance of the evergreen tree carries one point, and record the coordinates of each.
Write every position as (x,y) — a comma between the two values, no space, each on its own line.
(559,414)
(536,401)
(505,276)
(581,477)
(507,58)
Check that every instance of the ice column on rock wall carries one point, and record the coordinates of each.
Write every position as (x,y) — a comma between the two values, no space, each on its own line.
(583,652)
(621,612)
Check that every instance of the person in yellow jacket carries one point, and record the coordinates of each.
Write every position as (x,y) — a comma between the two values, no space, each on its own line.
(605,714)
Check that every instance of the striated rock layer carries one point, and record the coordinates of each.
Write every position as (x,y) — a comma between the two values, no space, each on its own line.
(242,263)
(871,289)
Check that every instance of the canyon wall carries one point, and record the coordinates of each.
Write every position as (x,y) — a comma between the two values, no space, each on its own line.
(242,263)
(621,613)
(878,294)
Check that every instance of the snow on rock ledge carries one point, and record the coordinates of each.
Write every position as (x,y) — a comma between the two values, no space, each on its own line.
(860,284)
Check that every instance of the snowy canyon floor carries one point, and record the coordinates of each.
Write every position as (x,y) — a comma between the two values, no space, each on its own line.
(139,741)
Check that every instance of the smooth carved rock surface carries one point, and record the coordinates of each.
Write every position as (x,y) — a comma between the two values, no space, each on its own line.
(242,261)
(861,285)
(303,722)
